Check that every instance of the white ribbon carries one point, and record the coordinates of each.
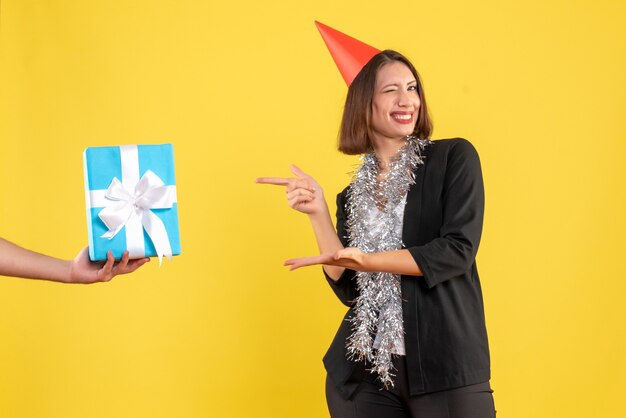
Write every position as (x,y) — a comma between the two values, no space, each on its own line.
(128,203)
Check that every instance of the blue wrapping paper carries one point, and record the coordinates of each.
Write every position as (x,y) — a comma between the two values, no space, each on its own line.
(128,164)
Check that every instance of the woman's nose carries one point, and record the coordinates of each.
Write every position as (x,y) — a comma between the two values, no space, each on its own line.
(404,99)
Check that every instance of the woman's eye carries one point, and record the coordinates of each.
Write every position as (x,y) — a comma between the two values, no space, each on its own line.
(412,88)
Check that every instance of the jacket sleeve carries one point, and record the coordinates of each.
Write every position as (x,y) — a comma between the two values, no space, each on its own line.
(345,286)
(454,251)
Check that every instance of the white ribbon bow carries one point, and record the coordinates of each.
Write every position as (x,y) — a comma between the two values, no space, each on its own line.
(133,210)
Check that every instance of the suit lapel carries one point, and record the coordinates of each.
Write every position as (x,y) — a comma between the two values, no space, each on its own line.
(413,208)
(410,232)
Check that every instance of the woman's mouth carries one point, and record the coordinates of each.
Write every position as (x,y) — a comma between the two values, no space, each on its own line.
(402,117)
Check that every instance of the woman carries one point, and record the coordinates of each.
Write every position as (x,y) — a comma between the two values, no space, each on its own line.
(414,342)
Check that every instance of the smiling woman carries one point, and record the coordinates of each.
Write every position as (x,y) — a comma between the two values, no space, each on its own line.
(413,342)
(371,97)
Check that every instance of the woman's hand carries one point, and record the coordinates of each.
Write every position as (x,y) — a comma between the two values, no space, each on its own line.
(83,270)
(304,194)
(351,258)
(396,261)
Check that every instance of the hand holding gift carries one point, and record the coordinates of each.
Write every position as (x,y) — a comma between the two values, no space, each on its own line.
(83,270)
(20,262)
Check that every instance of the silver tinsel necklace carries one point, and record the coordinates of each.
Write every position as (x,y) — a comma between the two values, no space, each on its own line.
(378,308)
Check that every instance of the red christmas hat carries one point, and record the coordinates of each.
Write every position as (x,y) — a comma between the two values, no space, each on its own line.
(349,54)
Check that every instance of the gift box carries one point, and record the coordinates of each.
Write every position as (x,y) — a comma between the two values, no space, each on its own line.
(130,193)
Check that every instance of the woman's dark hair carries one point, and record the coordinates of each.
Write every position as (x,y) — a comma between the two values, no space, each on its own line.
(355,132)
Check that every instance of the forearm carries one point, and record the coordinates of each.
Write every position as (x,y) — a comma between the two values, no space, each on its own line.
(327,240)
(20,262)
(397,262)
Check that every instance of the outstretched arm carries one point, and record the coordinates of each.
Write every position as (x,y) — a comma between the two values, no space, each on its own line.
(397,262)
(20,262)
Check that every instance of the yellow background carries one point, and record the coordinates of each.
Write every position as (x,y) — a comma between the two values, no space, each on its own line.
(243,89)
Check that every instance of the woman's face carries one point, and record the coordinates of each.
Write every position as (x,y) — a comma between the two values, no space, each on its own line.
(395,105)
